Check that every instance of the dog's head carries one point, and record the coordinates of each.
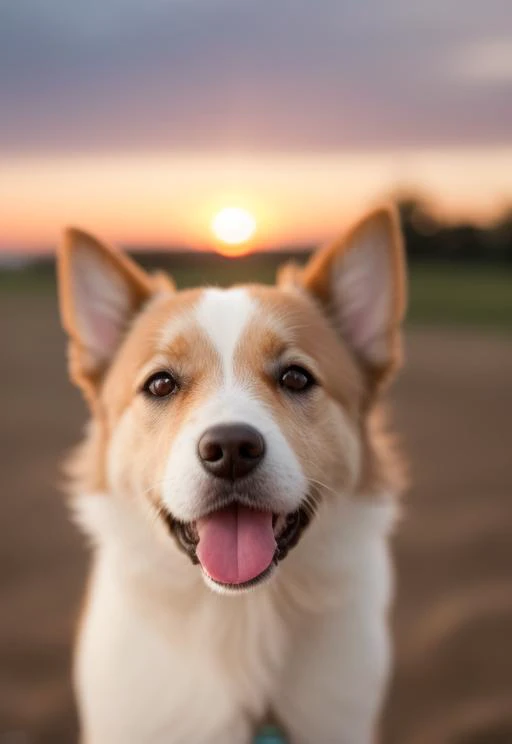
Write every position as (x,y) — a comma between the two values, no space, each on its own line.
(233,413)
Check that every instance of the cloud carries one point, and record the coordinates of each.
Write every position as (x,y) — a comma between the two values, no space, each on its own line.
(288,75)
(488,61)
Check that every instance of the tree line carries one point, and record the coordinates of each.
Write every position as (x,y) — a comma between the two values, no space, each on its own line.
(428,238)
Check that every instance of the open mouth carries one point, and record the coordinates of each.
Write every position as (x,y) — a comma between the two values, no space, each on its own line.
(238,546)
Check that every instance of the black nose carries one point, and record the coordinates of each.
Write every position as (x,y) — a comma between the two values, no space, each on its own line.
(231,450)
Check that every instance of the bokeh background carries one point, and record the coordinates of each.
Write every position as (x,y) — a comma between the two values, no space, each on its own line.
(140,121)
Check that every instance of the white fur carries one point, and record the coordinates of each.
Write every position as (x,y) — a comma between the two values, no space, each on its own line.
(223,314)
(163,660)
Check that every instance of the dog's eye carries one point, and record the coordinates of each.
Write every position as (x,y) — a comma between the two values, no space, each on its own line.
(160,385)
(296,379)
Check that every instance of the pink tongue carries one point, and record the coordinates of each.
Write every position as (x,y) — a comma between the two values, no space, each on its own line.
(236,544)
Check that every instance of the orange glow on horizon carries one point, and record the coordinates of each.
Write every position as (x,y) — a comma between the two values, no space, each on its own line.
(233,250)
(170,200)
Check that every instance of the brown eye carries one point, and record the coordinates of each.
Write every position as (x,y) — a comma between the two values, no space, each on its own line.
(296,379)
(160,385)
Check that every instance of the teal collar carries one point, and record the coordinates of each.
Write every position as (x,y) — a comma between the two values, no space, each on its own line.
(269,735)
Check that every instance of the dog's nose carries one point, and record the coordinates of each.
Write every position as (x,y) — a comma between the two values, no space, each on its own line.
(231,451)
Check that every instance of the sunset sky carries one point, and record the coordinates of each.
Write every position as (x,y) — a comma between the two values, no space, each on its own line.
(141,120)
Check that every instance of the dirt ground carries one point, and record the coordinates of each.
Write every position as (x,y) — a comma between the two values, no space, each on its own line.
(453,617)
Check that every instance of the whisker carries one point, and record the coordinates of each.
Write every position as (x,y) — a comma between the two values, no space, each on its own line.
(323,485)
(310,505)
(154,485)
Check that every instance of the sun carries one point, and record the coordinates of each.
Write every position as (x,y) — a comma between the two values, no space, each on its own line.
(233,227)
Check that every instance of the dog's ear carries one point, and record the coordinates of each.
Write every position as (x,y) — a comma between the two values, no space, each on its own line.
(100,291)
(359,280)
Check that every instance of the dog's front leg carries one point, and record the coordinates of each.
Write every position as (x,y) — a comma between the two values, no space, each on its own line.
(334,685)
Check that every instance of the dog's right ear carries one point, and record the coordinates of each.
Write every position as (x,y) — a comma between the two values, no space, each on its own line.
(100,292)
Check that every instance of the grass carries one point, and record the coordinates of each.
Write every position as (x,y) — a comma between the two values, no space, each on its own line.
(451,294)
(445,294)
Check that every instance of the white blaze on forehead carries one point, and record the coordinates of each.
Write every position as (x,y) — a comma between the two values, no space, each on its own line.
(223,314)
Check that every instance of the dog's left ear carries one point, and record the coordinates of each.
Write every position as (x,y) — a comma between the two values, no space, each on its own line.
(359,280)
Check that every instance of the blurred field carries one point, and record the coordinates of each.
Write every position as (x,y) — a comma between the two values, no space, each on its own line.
(458,294)
(453,619)
(455,293)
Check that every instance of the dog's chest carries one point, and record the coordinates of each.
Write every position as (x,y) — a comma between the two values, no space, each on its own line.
(140,666)
(244,641)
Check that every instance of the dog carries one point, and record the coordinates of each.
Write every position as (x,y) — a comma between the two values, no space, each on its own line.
(238,489)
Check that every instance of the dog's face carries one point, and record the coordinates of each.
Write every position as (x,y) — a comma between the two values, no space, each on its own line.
(233,413)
